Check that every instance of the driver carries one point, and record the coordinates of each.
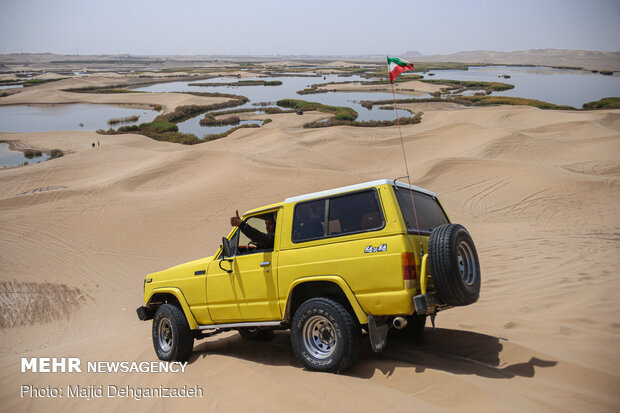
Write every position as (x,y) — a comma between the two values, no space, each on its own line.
(263,241)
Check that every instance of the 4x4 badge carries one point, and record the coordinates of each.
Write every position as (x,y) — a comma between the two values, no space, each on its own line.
(380,248)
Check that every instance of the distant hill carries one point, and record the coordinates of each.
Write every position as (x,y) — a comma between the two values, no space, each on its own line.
(586,59)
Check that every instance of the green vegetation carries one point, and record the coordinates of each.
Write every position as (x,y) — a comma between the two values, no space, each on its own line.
(56,153)
(605,103)
(607,72)
(371,123)
(35,82)
(9,82)
(474,101)
(116,121)
(185,112)
(157,127)
(266,121)
(340,112)
(158,130)
(468,84)
(344,116)
(241,83)
(210,120)
(507,100)
(368,104)
(228,132)
(31,153)
(164,128)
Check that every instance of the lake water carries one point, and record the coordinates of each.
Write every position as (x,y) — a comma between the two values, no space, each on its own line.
(89,117)
(13,158)
(288,90)
(558,86)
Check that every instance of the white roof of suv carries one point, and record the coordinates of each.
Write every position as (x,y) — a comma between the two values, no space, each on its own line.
(356,187)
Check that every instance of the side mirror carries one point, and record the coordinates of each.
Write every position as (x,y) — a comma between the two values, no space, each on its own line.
(226,253)
(226,247)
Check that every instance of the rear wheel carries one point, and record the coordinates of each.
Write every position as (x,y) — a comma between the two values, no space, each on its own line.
(325,336)
(454,265)
(172,337)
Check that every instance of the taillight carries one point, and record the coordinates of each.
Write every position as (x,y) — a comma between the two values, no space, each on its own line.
(408,266)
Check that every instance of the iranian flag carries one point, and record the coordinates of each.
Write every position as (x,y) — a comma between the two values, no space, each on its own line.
(397,66)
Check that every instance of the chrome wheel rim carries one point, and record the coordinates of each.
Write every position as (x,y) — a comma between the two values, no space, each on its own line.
(164,334)
(320,337)
(467,263)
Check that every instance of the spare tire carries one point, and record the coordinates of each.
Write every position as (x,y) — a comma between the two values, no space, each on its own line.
(454,265)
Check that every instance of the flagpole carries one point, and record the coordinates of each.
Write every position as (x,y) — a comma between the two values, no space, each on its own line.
(402,144)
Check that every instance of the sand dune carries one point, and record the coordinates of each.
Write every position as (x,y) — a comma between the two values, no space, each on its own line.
(538,190)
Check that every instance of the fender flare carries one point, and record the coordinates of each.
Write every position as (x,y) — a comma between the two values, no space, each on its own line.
(178,294)
(361,315)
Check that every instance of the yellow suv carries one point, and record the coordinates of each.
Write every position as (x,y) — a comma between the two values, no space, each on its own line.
(337,263)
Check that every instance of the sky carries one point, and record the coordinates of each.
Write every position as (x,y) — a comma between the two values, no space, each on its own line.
(298,27)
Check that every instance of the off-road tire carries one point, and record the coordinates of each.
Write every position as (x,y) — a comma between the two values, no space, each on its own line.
(324,335)
(454,265)
(256,334)
(172,338)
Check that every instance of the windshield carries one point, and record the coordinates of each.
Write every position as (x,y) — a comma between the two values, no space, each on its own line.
(430,214)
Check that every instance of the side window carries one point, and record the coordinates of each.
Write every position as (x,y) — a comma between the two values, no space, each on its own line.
(354,213)
(429,212)
(346,214)
(245,243)
(308,221)
(257,235)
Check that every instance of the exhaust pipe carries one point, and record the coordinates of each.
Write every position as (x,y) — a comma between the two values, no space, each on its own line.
(399,322)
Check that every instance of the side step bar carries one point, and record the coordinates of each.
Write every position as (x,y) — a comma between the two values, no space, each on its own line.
(238,325)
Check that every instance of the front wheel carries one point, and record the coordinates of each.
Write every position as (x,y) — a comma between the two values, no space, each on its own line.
(172,337)
(325,336)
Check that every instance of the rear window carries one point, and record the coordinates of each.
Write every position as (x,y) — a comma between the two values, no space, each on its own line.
(338,215)
(430,214)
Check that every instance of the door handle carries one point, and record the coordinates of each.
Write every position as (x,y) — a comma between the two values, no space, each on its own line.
(265,263)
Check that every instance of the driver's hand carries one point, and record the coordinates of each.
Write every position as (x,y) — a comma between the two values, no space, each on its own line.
(236,220)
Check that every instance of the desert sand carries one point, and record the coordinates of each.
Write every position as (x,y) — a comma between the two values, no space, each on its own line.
(538,190)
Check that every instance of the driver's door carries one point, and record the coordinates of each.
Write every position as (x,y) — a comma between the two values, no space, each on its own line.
(249,292)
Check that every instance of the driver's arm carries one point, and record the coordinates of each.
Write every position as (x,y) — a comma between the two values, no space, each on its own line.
(260,238)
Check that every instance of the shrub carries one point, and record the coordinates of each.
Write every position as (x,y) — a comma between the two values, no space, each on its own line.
(35,82)
(158,127)
(605,103)
(56,153)
(266,121)
(371,123)
(31,153)
(215,136)
(469,84)
(127,119)
(210,120)
(341,112)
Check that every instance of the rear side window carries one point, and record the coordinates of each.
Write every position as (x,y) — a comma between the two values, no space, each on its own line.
(338,215)
(430,214)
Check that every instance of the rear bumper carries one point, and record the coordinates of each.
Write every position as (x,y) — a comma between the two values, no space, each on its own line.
(427,304)
(144,313)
